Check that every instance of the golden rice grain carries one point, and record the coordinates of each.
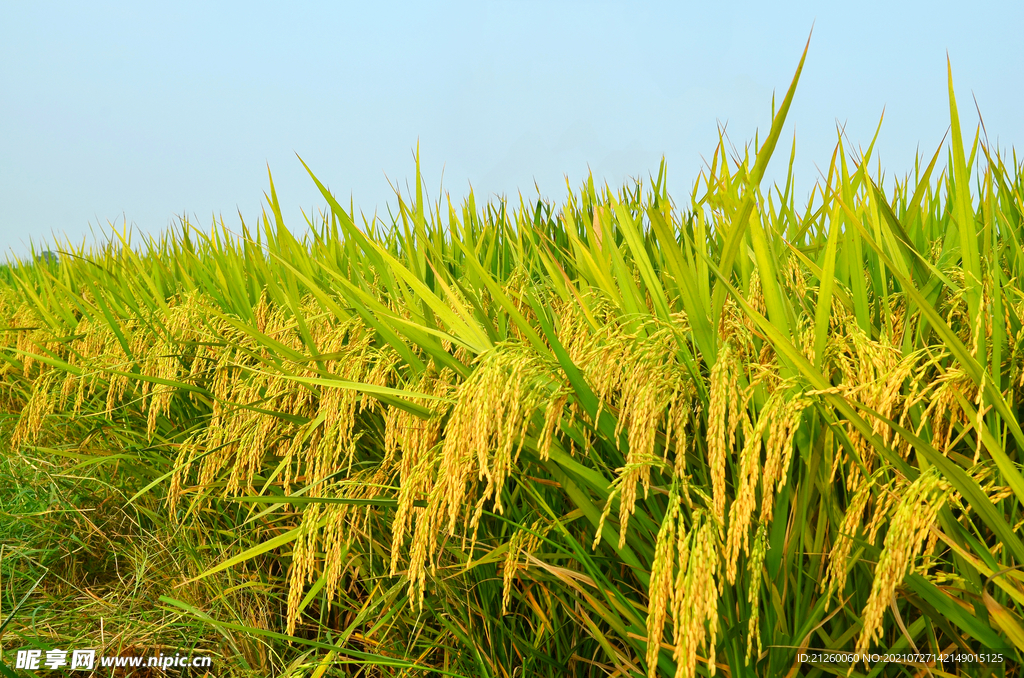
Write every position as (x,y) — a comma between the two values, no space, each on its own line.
(908,531)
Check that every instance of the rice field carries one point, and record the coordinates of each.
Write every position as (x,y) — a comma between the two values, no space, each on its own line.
(622,435)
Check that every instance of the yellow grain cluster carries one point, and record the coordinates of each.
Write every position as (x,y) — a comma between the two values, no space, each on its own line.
(685,582)
(28,336)
(726,414)
(908,531)
(39,406)
(641,383)
(776,427)
(304,558)
(754,567)
(521,546)
(413,442)
(839,556)
(329,528)
(873,373)
(244,426)
(481,442)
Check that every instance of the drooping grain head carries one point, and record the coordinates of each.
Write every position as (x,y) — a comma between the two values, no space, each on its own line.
(908,532)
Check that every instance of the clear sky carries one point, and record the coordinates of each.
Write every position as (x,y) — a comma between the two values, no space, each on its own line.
(145,111)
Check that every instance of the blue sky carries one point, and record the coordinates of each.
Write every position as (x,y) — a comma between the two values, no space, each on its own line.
(143,112)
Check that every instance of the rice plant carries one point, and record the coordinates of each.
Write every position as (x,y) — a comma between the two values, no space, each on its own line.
(619,436)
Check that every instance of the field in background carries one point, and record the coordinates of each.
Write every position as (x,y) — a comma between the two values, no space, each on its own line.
(616,437)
